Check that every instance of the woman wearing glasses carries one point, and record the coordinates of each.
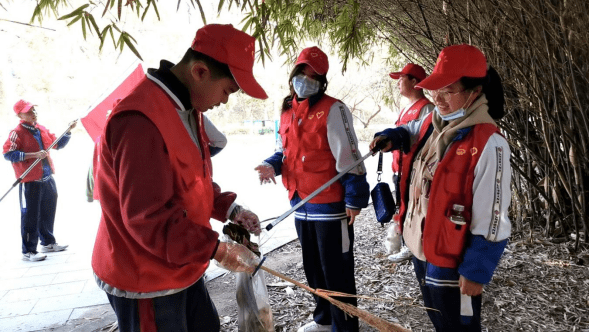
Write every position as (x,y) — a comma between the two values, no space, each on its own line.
(455,187)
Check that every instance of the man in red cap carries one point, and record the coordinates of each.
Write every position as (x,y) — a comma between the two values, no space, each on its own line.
(318,141)
(418,107)
(154,240)
(26,143)
(455,187)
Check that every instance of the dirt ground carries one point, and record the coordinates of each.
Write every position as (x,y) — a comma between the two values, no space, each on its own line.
(538,286)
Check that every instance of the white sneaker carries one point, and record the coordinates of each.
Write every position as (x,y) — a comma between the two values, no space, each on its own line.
(315,327)
(33,257)
(53,247)
(402,255)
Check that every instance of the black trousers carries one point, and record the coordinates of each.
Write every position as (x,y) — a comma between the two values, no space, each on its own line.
(190,310)
(447,300)
(328,266)
(38,201)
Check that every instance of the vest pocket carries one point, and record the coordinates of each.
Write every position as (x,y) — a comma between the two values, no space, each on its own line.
(316,163)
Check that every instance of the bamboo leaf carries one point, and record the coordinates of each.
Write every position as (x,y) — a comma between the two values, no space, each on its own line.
(94,25)
(132,47)
(36,14)
(113,36)
(220,6)
(149,3)
(75,20)
(119,9)
(103,36)
(76,12)
(156,9)
(83,26)
(202,12)
(106,7)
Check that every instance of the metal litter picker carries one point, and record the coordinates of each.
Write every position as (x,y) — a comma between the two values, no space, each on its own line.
(37,161)
(376,149)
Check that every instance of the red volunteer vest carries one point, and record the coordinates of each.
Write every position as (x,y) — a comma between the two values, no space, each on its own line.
(131,267)
(26,142)
(309,162)
(410,115)
(452,184)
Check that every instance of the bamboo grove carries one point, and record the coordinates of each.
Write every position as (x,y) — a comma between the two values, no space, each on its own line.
(540,49)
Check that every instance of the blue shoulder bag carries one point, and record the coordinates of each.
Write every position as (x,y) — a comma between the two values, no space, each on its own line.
(383,201)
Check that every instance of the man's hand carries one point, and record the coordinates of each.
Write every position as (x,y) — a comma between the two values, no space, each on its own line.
(36,155)
(469,287)
(352,213)
(265,173)
(247,219)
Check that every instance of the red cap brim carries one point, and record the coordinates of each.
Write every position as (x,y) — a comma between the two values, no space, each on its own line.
(437,81)
(248,84)
(311,64)
(395,75)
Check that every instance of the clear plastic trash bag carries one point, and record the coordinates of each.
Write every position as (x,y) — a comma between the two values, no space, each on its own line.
(254,313)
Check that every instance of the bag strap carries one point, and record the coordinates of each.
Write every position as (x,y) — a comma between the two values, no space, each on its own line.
(380,166)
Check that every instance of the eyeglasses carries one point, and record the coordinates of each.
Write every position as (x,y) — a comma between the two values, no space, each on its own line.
(446,96)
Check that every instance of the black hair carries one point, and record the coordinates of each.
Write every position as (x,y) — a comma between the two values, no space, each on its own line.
(218,69)
(296,71)
(492,87)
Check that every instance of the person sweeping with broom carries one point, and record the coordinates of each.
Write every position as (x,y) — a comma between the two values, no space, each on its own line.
(318,142)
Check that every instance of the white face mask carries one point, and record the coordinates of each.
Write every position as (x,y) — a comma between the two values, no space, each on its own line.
(304,86)
(451,116)
(456,114)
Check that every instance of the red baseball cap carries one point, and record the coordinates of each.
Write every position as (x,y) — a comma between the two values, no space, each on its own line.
(22,106)
(410,69)
(233,47)
(315,58)
(454,62)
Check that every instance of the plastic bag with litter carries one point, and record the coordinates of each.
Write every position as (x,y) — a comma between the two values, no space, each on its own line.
(254,312)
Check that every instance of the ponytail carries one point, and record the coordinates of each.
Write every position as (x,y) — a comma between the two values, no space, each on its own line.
(492,87)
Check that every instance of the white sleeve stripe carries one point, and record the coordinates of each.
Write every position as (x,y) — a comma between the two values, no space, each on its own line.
(13,137)
(348,133)
(497,204)
(351,140)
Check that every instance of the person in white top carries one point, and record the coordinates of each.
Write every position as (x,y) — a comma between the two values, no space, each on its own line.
(455,187)
(418,107)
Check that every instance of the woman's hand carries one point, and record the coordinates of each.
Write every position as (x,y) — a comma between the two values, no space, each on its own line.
(352,213)
(469,287)
(265,173)
(377,139)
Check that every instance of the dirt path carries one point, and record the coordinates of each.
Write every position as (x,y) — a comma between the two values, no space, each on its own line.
(539,286)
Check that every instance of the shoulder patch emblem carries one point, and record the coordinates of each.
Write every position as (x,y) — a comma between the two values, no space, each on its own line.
(473,151)
(461,152)
(310,116)
(319,114)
